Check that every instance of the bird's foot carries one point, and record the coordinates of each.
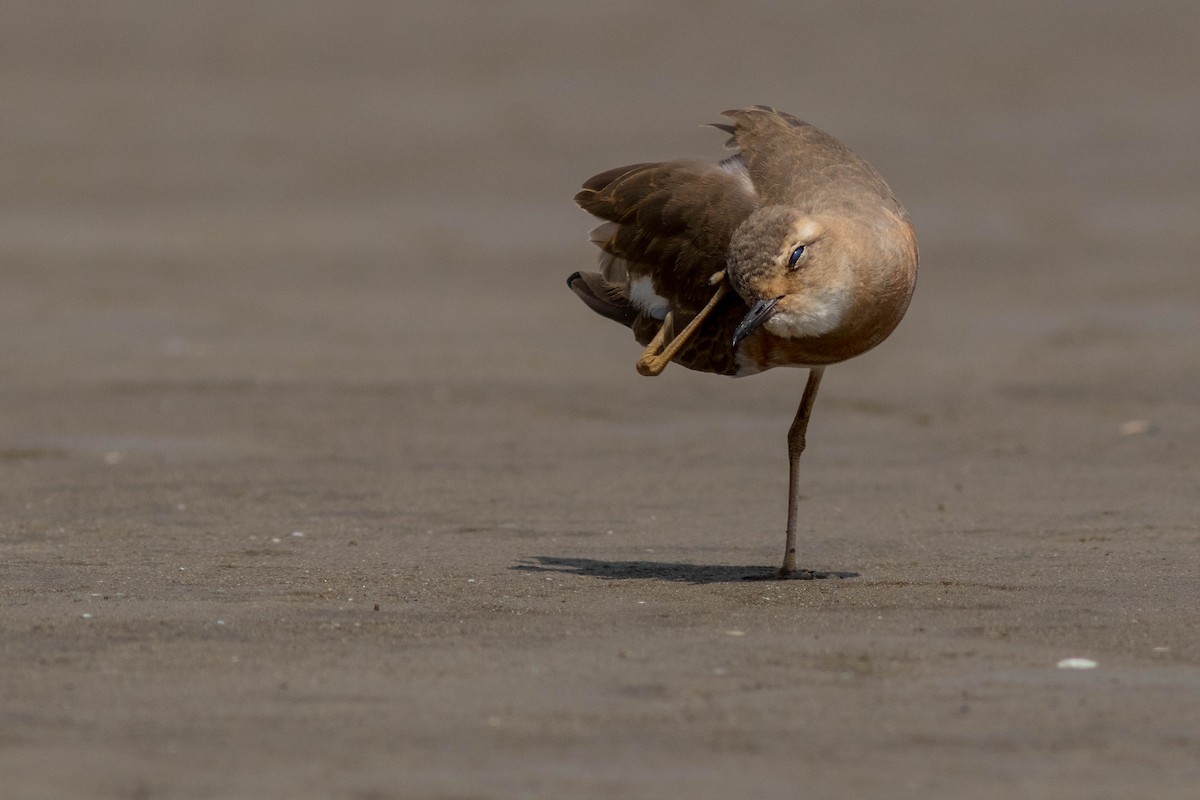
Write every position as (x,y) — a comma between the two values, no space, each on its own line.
(660,352)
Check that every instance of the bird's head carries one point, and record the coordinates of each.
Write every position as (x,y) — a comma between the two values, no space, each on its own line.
(792,269)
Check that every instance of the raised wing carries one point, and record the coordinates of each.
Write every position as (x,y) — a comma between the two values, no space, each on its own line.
(671,222)
(793,162)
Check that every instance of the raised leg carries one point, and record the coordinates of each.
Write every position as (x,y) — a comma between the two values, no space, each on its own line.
(656,344)
(656,357)
(795,448)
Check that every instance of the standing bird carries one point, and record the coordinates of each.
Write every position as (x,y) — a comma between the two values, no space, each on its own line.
(793,252)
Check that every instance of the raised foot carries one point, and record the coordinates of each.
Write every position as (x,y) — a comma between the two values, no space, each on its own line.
(660,352)
(798,575)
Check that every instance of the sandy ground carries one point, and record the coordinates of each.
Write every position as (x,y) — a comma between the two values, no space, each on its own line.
(317,482)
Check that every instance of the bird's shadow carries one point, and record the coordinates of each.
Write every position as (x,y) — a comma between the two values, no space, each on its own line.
(696,574)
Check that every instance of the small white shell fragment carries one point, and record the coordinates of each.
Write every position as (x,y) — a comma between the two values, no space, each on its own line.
(298,534)
(1136,427)
(86,616)
(734,633)
(1077,663)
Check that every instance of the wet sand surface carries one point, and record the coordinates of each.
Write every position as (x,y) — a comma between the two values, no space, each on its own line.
(318,482)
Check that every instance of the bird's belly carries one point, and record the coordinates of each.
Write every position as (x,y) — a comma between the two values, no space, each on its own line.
(762,351)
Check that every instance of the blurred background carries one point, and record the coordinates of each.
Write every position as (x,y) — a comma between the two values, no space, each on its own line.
(262,189)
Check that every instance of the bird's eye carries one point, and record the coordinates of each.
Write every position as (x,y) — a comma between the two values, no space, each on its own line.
(795,257)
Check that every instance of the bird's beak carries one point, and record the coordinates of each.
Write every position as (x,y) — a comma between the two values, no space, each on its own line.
(758,314)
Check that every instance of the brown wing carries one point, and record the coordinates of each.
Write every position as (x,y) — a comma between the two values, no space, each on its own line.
(792,162)
(672,222)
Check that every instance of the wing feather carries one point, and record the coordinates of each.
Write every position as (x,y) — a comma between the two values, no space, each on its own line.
(673,222)
(786,157)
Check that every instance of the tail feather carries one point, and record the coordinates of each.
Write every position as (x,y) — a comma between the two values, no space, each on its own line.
(614,270)
(606,299)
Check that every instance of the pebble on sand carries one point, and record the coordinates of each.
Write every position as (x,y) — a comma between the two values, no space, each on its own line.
(1077,663)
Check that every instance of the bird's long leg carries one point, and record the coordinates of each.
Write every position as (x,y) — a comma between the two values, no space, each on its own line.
(795,448)
(656,357)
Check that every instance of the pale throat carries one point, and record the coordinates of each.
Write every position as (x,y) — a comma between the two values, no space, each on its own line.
(815,316)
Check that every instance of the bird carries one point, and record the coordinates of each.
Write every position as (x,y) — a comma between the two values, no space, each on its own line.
(791,252)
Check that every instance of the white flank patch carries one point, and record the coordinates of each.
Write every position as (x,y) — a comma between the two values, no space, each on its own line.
(643,296)
(823,315)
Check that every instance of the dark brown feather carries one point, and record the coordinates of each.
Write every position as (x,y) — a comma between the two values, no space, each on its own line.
(603,179)
(604,298)
(674,222)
